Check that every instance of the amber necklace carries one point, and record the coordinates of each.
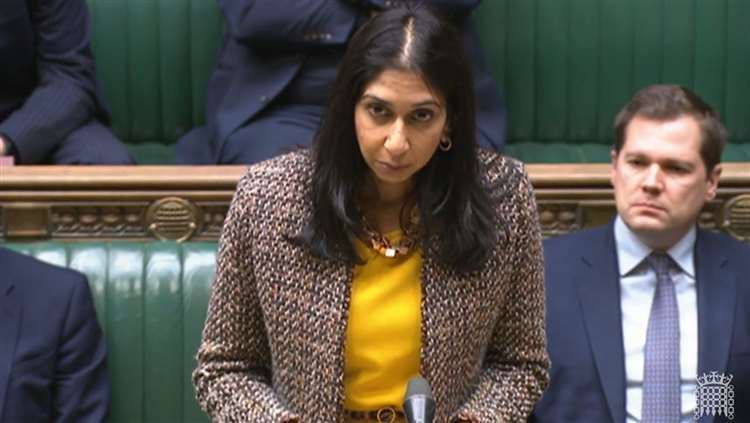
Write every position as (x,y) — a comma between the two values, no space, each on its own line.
(383,246)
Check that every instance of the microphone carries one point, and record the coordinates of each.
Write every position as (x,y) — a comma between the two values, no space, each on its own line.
(419,405)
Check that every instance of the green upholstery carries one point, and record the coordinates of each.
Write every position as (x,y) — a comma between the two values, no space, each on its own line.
(565,67)
(569,65)
(151,302)
(154,59)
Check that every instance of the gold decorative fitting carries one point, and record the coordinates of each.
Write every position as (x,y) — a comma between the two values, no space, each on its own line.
(26,220)
(386,415)
(173,219)
(737,217)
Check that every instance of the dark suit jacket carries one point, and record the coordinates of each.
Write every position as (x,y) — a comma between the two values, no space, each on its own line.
(47,82)
(52,353)
(584,328)
(267,42)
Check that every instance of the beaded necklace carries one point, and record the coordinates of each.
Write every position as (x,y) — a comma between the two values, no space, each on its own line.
(383,246)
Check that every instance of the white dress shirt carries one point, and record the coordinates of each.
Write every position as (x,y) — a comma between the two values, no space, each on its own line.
(637,287)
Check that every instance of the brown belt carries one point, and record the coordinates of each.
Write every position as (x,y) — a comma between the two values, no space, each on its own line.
(383,415)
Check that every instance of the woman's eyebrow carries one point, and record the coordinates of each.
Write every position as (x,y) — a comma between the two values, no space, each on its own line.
(430,102)
(376,98)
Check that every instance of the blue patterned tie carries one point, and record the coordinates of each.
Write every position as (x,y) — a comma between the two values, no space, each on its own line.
(661,370)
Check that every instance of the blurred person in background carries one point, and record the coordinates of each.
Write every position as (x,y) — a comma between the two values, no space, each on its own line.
(51,106)
(276,69)
(53,358)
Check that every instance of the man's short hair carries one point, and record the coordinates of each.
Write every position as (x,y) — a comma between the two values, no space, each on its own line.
(668,102)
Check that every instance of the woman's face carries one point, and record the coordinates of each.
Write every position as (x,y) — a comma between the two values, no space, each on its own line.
(399,122)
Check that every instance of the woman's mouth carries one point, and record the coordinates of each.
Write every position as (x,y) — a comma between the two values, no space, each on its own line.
(390,167)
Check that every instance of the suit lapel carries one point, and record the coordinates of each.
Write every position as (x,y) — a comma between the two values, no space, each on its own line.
(10,312)
(716,292)
(599,294)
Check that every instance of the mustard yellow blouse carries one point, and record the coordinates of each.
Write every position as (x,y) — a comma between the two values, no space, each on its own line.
(383,338)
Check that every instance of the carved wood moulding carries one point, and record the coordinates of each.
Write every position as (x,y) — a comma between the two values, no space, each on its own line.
(190,202)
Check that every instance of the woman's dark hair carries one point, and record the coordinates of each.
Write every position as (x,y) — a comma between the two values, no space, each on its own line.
(452,202)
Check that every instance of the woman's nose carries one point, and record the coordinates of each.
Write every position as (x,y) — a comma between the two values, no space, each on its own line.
(397,143)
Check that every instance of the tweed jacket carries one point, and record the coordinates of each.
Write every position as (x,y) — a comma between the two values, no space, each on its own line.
(273,343)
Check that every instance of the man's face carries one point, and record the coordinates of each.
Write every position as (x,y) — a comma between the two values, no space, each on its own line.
(660,179)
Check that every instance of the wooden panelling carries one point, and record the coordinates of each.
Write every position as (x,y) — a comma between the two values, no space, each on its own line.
(190,202)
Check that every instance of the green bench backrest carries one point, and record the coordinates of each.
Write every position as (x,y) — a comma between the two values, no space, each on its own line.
(568,66)
(154,58)
(565,67)
(151,302)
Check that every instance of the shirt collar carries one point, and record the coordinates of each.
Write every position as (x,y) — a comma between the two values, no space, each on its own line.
(631,250)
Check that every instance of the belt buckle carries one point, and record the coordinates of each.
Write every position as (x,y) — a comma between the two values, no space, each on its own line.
(386,415)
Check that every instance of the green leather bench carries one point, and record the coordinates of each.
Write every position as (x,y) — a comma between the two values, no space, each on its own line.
(564,66)
(568,66)
(151,301)
(154,59)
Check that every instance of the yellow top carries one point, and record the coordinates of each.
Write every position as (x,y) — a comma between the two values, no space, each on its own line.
(383,337)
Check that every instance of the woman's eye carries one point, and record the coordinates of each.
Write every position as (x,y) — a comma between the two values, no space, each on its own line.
(422,115)
(377,110)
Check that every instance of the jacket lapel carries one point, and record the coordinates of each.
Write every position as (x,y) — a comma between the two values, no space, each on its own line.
(599,294)
(329,291)
(338,285)
(10,312)
(716,292)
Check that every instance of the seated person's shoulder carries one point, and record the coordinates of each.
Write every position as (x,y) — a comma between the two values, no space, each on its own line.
(734,249)
(575,243)
(34,275)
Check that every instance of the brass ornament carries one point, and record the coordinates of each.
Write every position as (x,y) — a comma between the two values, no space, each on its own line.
(173,219)
(737,217)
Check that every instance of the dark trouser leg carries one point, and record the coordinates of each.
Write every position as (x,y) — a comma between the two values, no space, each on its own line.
(194,147)
(274,132)
(92,143)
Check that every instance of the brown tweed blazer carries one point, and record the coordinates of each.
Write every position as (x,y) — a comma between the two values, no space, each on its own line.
(273,343)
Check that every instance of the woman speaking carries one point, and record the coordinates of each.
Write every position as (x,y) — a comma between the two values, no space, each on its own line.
(395,247)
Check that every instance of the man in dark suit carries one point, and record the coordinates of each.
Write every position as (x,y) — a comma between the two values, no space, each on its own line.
(276,68)
(642,311)
(52,353)
(51,109)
